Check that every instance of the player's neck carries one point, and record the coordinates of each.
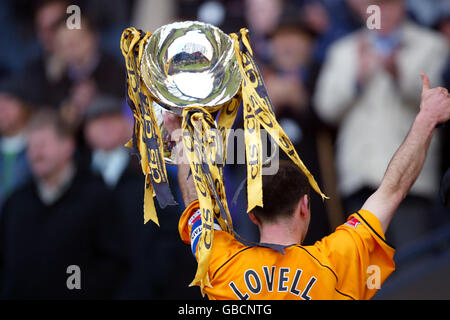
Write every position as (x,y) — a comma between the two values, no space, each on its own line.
(280,234)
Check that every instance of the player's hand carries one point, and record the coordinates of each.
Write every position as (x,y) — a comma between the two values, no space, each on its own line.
(435,102)
(172,123)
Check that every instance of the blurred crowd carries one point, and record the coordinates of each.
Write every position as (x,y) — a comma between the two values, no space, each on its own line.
(72,194)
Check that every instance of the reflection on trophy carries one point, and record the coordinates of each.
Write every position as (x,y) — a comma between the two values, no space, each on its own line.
(188,64)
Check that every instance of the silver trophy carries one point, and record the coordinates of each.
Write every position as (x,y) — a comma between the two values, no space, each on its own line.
(189,64)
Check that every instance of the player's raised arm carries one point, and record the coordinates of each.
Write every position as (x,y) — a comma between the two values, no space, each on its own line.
(408,161)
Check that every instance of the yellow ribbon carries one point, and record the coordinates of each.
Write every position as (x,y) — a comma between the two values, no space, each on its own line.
(146,139)
(204,145)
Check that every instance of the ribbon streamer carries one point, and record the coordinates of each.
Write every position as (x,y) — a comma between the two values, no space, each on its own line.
(146,141)
(204,146)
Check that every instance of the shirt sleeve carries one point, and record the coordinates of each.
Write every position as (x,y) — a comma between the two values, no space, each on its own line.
(359,255)
(190,226)
(190,216)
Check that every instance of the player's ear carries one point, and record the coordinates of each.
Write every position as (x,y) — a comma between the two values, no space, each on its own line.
(253,218)
(304,206)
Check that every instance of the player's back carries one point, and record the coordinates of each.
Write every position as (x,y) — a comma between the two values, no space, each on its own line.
(244,272)
(350,263)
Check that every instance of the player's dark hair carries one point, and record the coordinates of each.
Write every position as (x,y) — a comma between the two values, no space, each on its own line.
(282,192)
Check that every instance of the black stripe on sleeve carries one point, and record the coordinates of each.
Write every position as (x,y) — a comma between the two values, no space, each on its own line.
(329,268)
(373,230)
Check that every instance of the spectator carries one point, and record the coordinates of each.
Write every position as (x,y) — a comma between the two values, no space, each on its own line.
(64,217)
(90,71)
(262,18)
(331,20)
(106,130)
(370,87)
(292,73)
(71,62)
(111,18)
(46,71)
(14,113)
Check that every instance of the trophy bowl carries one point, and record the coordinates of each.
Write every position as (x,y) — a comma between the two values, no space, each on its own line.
(190,64)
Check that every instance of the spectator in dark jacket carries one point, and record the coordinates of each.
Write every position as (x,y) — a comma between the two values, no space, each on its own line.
(64,219)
